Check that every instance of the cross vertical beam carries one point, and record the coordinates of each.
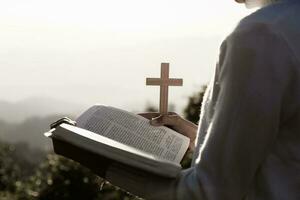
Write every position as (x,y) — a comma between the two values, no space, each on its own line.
(164,88)
(164,82)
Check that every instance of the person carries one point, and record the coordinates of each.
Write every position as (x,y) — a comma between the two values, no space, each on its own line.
(247,145)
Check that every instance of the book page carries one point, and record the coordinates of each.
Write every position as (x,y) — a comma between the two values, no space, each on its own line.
(135,131)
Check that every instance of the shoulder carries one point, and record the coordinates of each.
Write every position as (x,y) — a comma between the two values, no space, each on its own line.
(263,36)
(270,28)
(276,16)
(275,22)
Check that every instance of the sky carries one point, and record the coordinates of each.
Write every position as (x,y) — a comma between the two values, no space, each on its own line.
(88,52)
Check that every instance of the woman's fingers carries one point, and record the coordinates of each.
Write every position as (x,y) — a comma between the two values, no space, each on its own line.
(160,120)
(165,120)
(175,122)
(149,115)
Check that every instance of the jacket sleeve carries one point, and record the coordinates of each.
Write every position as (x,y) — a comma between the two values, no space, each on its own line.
(251,80)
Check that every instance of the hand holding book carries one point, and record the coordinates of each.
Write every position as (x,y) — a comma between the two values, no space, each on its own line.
(122,137)
(174,122)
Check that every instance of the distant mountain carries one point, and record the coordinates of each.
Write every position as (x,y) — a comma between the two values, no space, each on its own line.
(26,121)
(29,131)
(36,107)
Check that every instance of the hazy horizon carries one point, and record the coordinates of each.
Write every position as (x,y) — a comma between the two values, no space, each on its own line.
(102,51)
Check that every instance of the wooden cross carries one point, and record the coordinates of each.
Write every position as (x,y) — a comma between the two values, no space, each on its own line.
(164,82)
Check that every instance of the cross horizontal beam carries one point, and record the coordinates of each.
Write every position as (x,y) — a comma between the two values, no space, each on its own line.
(170,82)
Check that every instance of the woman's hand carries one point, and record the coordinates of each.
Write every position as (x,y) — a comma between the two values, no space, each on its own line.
(175,122)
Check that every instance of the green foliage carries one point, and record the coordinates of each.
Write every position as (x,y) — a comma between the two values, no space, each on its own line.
(192,110)
(151,108)
(10,172)
(192,113)
(60,178)
(55,178)
(5,195)
(64,179)
(187,160)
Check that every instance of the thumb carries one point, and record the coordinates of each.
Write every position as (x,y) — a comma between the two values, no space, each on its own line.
(169,120)
(157,121)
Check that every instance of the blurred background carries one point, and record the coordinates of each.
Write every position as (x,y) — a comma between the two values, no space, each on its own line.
(57,58)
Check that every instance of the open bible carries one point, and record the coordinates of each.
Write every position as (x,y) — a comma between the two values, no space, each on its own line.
(122,137)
